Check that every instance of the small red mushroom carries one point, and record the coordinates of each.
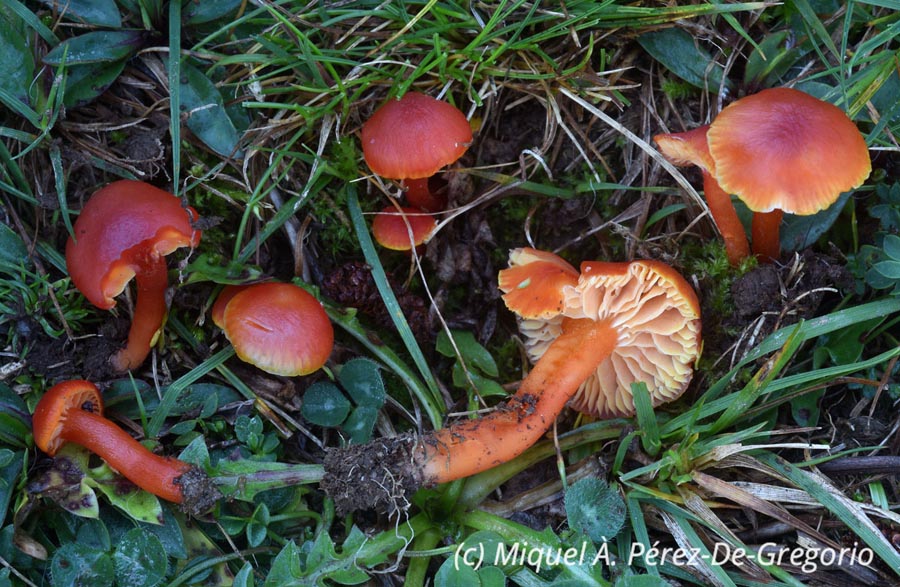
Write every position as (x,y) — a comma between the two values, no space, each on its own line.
(125,230)
(279,327)
(411,139)
(403,230)
(72,411)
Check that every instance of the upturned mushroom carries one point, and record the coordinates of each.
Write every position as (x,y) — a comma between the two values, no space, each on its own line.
(72,411)
(411,139)
(125,230)
(279,327)
(780,150)
(620,323)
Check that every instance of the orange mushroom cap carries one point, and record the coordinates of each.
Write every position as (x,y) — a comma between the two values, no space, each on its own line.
(279,327)
(389,227)
(784,149)
(414,137)
(122,223)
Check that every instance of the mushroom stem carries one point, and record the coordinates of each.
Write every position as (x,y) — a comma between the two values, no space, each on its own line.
(726,219)
(470,446)
(766,233)
(151,472)
(151,279)
(418,194)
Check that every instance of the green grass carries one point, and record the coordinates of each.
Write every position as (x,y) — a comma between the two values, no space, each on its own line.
(272,152)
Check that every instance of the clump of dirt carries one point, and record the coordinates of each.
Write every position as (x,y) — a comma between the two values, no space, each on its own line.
(377,475)
(200,495)
(776,295)
(352,285)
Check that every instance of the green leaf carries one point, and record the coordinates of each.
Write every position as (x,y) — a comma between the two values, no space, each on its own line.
(455,574)
(15,421)
(484,386)
(770,60)
(595,508)
(98,12)
(325,405)
(244,577)
(13,252)
(9,477)
(75,564)
(203,107)
(471,351)
(888,269)
(199,11)
(646,418)
(258,527)
(360,424)
(800,232)
(86,81)
(96,47)
(892,246)
(132,500)
(18,59)
(140,560)
(679,52)
(65,483)
(213,267)
(362,380)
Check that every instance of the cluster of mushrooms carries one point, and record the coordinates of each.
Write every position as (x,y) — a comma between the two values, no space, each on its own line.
(591,333)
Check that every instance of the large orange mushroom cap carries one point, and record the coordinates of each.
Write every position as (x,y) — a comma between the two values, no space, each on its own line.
(279,327)
(414,137)
(656,315)
(119,226)
(784,149)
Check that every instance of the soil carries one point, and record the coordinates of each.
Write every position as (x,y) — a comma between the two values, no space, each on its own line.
(378,475)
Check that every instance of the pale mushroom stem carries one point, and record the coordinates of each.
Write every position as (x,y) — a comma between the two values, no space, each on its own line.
(766,233)
(726,219)
(470,446)
(151,279)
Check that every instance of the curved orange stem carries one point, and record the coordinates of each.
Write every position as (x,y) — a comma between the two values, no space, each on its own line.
(470,446)
(151,279)
(126,455)
(766,233)
(726,219)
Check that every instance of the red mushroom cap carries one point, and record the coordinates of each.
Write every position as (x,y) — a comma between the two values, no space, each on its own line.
(279,327)
(784,149)
(414,137)
(389,227)
(121,225)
